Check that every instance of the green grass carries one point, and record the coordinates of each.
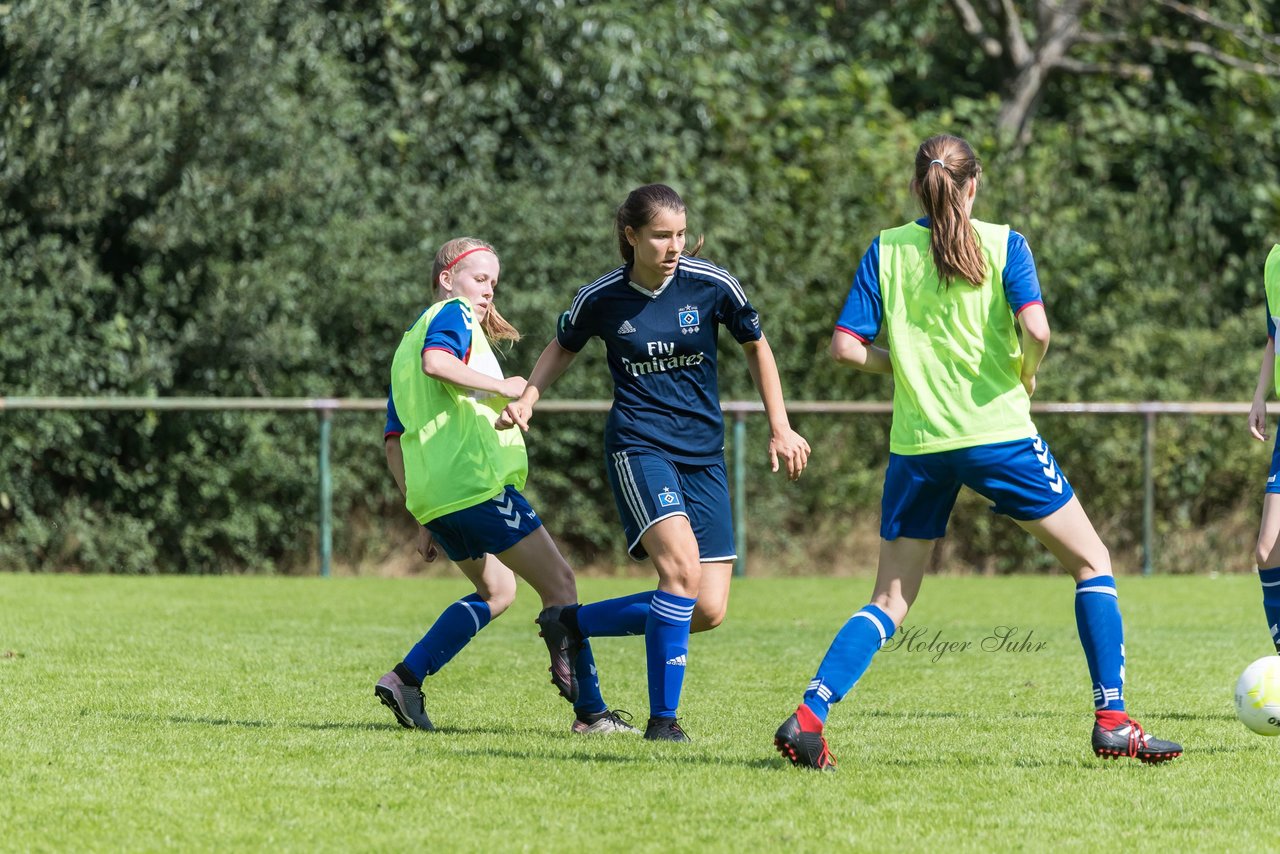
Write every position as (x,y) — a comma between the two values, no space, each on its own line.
(238,713)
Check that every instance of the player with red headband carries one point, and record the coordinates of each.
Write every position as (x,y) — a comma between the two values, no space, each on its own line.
(462,479)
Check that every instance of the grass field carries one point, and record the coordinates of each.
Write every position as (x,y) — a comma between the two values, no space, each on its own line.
(238,714)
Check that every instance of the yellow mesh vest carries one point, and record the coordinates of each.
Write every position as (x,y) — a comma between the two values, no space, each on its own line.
(453,457)
(1271,280)
(955,349)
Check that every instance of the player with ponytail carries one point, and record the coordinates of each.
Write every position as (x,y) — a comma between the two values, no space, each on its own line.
(957,301)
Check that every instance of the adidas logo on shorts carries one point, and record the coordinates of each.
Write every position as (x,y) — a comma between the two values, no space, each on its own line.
(626,328)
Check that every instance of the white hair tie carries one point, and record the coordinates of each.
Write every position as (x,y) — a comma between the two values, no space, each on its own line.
(939,162)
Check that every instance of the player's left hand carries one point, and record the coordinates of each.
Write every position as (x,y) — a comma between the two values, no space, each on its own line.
(1258,420)
(792,448)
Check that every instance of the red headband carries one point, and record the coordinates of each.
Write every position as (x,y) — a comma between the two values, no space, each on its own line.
(449,266)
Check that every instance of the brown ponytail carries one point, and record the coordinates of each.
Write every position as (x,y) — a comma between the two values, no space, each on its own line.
(495,326)
(641,206)
(944,166)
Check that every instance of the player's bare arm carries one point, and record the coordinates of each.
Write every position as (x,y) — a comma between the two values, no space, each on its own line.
(850,350)
(784,443)
(553,362)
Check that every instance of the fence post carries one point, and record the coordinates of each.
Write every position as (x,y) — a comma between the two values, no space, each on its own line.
(326,494)
(740,492)
(1148,491)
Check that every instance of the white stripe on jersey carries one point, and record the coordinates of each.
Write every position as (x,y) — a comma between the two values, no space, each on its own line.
(710,270)
(630,492)
(607,279)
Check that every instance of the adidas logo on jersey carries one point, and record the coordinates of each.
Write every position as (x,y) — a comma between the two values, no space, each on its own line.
(626,328)
(678,661)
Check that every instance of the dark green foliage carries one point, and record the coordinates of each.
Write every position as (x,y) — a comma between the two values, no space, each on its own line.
(242,199)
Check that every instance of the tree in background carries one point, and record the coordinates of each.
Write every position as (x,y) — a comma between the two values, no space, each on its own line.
(241,198)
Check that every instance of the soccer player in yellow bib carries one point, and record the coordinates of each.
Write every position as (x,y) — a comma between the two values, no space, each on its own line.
(461,480)
(945,297)
(1268,551)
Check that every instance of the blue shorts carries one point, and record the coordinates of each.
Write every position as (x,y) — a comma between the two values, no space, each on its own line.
(490,527)
(1021,477)
(647,487)
(1273,476)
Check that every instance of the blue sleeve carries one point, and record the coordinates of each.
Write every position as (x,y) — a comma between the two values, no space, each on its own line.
(1271,318)
(863,309)
(450,330)
(1021,284)
(574,336)
(394,427)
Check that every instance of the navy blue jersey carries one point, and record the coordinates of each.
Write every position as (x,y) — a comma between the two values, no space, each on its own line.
(661,348)
(863,311)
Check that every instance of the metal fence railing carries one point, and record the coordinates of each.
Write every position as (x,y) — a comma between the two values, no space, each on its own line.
(738,411)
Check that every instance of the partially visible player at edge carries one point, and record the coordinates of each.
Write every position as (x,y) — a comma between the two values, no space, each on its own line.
(659,316)
(951,292)
(1268,550)
(461,481)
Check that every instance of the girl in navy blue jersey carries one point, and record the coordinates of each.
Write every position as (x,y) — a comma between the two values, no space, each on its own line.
(659,315)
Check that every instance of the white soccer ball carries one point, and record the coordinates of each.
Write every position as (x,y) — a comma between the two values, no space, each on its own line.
(1258,696)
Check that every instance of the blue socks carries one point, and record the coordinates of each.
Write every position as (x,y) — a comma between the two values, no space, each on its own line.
(458,624)
(626,615)
(1102,636)
(666,639)
(847,659)
(1270,579)
(462,620)
(590,701)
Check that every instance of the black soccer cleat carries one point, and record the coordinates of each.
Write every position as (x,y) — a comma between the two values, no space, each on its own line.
(1128,739)
(564,644)
(404,701)
(800,740)
(664,729)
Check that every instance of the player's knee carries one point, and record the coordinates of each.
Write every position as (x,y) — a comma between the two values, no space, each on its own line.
(1267,554)
(895,605)
(498,597)
(706,618)
(1096,564)
(681,575)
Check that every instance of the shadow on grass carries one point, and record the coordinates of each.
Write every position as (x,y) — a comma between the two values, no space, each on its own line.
(657,755)
(230,722)
(1192,716)
(254,724)
(381,726)
(648,753)
(976,714)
